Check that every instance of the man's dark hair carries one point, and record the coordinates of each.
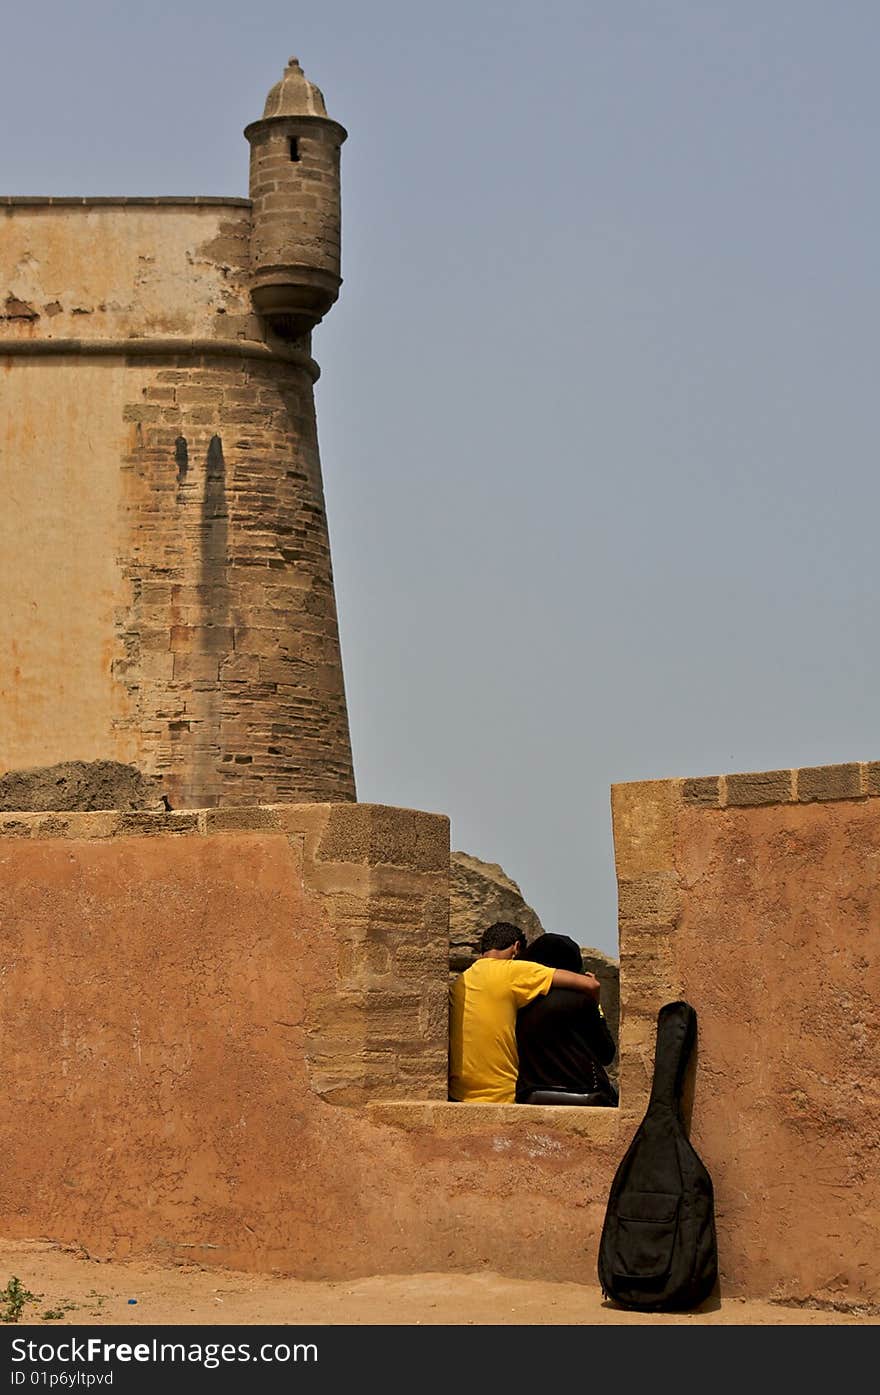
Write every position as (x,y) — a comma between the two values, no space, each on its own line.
(501,935)
(556,951)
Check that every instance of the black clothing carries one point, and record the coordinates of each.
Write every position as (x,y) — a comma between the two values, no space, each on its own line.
(557,1097)
(563,1043)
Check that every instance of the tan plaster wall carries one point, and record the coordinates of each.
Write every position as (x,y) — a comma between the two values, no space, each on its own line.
(757,898)
(191,1021)
(62,436)
(225,1039)
(126,269)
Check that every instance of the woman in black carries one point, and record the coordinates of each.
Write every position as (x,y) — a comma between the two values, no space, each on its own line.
(562,1038)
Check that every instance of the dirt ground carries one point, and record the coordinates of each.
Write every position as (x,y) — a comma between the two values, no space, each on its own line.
(74,1288)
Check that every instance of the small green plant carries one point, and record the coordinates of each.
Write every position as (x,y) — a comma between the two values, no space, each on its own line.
(64,1307)
(13,1297)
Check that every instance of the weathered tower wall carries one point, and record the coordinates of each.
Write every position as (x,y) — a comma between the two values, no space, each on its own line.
(164,558)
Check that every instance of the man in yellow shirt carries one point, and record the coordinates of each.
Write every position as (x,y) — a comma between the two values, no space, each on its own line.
(484,1001)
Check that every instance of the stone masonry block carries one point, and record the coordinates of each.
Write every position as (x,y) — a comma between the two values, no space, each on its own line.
(393,1018)
(637,1040)
(370,961)
(264,643)
(417,963)
(191,667)
(79,825)
(197,396)
(385,836)
(760,787)
(704,792)
(828,782)
(15,828)
(345,961)
(246,819)
(335,1020)
(653,900)
(434,1015)
(643,817)
(281,670)
(347,835)
(155,824)
(348,911)
(338,1090)
(872,774)
(156,667)
(648,975)
(152,641)
(418,841)
(330,879)
(396,899)
(435,911)
(190,639)
(240,668)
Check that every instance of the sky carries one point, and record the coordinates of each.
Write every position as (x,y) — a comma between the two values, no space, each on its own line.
(598,406)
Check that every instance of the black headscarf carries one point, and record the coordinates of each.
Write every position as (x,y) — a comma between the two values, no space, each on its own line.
(556,951)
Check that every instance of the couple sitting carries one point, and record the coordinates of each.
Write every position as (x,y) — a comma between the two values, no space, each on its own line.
(526,1025)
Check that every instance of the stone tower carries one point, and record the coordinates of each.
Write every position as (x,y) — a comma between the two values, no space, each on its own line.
(164,558)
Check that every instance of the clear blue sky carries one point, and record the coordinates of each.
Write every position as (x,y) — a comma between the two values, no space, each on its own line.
(596,413)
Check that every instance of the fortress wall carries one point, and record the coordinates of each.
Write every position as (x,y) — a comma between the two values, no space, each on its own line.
(224,1035)
(164,554)
(757,898)
(199,1011)
(183,997)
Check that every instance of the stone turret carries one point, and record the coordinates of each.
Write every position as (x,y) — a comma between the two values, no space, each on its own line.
(294,187)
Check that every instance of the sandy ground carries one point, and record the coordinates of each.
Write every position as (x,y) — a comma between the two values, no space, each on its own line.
(82,1290)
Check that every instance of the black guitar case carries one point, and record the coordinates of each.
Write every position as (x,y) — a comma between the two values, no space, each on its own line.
(658,1248)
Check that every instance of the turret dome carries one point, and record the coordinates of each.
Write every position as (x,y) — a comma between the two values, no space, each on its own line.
(294,95)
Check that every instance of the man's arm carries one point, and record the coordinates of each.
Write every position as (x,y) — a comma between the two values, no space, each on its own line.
(583,983)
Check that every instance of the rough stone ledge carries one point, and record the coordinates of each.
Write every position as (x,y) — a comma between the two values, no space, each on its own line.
(807,784)
(122,200)
(449,1117)
(357,847)
(168,347)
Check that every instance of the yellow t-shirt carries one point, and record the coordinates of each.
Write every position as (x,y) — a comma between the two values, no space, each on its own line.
(484,1001)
